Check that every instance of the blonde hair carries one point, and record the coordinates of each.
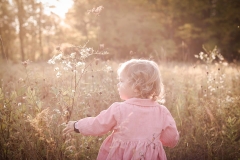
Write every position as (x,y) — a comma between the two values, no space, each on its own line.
(145,78)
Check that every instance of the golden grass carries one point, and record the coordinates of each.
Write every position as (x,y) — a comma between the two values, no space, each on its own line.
(35,105)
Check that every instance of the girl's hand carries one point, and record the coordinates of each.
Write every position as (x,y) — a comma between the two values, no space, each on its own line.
(69,128)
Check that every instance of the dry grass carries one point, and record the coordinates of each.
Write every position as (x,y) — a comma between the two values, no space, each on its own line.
(35,105)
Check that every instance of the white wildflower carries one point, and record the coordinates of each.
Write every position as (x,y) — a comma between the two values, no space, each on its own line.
(201,55)
(108,68)
(213,89)
(56,69)
(58,74)
(51,61)
(73,55)
(58,57)
(80,64)
(57,111)
(69,65)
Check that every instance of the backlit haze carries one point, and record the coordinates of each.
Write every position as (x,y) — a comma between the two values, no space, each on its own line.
(61,6)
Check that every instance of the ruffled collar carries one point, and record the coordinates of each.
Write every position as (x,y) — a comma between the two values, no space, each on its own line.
(141,102)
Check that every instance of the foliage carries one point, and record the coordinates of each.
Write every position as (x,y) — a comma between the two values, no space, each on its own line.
(6,29)
(147,28)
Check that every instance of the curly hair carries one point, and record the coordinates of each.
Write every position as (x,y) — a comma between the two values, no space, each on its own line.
(145,77)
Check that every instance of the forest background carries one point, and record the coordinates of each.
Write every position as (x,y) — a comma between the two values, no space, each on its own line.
(172,30)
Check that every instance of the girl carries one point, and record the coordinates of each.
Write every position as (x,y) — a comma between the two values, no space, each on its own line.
(140,126)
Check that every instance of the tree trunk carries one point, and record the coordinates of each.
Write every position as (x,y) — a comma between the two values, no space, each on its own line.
(20,27)
(2,49)
(40,31)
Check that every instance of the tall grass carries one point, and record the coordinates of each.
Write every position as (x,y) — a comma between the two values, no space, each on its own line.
(38,99)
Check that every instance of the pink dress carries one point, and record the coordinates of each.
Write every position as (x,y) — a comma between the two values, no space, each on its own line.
(140,128)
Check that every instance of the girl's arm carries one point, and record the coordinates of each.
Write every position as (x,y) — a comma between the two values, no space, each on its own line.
(99,125)
(169,136)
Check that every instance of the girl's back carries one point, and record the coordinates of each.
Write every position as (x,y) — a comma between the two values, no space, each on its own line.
(141,123)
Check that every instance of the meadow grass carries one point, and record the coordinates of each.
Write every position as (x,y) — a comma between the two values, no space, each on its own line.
(38,99)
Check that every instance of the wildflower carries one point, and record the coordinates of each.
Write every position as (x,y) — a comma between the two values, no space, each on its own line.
(80,64)
(58,57)
(19,104)
(96,10)
(201,55)
(58,74)
(108,68)
(57,111)
(72,55)
(56,69)
(99,9)
(220,57)
(51,61)
(66,113)
(213,56)
(69,65)
(210,87)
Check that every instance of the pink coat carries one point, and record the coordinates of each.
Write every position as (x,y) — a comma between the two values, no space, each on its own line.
(141,127)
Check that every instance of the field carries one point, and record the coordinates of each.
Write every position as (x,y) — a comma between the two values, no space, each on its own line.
(37,99)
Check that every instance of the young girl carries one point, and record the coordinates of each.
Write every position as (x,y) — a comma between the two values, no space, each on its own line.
(140,126)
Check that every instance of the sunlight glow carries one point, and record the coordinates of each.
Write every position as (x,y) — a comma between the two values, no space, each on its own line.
(60,8)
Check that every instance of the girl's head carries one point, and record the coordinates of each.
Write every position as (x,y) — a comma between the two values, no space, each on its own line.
(140,79)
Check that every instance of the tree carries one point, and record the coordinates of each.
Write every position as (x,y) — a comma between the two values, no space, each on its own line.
(20,18)
(226,27)
(7,30)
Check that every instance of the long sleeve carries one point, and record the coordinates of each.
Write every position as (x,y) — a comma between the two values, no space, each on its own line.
(101,124)
(169,136)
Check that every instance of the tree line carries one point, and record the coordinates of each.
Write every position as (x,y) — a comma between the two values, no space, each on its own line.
(166,29)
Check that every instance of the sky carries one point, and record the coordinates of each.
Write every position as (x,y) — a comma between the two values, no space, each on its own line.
(61,6)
